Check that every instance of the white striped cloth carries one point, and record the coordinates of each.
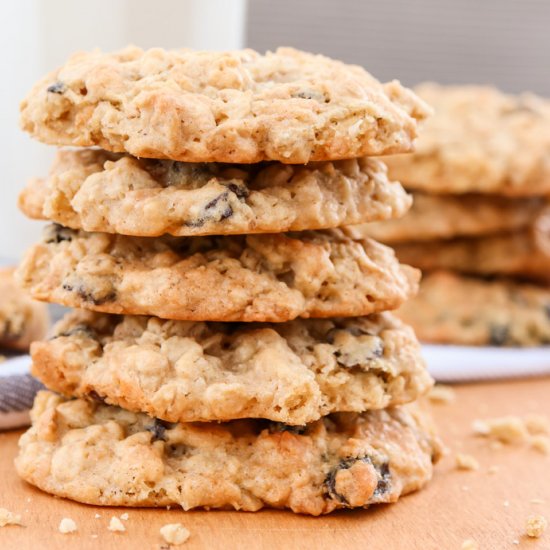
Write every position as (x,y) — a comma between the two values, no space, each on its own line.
(17,391)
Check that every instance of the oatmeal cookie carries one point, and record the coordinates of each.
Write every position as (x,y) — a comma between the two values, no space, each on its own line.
(95,190)
(104,455)
(179,371)
(524,253)
(240,106)
(22,320)
(479,141)
(446,216)
(271,277)
(453,309)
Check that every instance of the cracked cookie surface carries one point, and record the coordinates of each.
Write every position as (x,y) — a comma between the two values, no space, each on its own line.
(479,141)
(234,278)
(22,320)
(95,190)
(240,106)
(453,309)
(447,216)
(179,371)
(104,455)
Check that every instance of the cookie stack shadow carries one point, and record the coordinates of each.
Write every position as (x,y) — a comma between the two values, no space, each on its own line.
(479,227)
(230,347)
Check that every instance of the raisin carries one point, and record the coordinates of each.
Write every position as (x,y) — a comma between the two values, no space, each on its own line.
(240,191)
(94,396)
(55,233)
(279,427)
(57,88)
(498,335)
(218,203)
(382,470)
(158,429)
(90,295)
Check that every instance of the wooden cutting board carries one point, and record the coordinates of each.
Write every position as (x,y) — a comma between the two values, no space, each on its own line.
(490,508)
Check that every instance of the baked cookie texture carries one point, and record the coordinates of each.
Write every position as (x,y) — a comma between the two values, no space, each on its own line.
(479,141)
(104,455)
(287,105)
(272,277)
(434,217)
(454,309)
(524,253)
(180,371)
(22,320)
(95,190)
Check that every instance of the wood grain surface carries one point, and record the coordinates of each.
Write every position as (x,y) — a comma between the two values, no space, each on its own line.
(490,508)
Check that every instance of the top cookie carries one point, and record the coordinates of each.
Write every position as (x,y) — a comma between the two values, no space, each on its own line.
(479,141)
(287,105)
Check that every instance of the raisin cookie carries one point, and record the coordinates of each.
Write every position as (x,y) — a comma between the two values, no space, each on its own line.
(100,454)
(271,277)
(479,141)
(181,371)
(22,320)
(95,190)
(447,216)
(453,309)
(240,106)
(524,253)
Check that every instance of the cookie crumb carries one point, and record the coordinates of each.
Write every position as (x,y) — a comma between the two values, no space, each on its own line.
(67,525)
(466,462)
(535,526)
(124,516)
(441,394)
(507,429)
(116,525)
(493,469)
(174,533)
(537,501)
(537,424)
(9,518)
(469,544)
(541,443)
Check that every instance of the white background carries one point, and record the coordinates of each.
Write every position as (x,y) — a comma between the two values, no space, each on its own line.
(38,35)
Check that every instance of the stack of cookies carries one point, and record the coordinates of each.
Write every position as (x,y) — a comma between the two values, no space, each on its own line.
(480,224)
(230,347)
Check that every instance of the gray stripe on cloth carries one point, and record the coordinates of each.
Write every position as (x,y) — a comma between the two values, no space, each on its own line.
(17,392)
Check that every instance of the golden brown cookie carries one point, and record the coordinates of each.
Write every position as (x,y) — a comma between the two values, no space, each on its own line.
(453,309)
(446,216)
(22,320)
(479,141)
(524,253)
(179,371)
(240,106)
(234,278)
(104,455)
(95,190)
